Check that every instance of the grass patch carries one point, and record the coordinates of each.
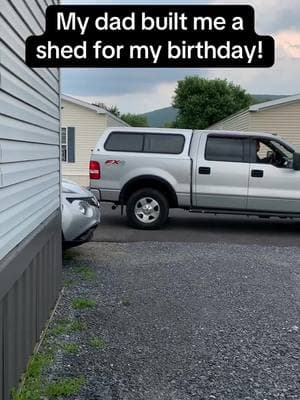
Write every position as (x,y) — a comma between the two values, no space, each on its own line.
(85,273)
(97,343)
(70,282)
(70,347)
(64,387)
(32,387)
(81,303)
(67,326)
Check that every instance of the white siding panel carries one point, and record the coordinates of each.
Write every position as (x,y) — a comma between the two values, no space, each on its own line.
(12,238)
(11,174)
(11,84)
(11,62)
(37,8)
(11,151)
(29,127)
(15,108)
(15,40)
(13,129)
(12,217)
(29,15)
(15,194)
(12,40)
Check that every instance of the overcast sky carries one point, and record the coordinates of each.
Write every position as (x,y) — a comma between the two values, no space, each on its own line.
(142,90)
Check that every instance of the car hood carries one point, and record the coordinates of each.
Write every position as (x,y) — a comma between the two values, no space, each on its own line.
(70,188)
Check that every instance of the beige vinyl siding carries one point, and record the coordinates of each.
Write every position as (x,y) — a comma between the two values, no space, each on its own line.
(29,128)
(237,122)
(111,121)
(88,127)
(284,120)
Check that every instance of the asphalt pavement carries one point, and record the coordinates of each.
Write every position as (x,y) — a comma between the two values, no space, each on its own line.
(208,228)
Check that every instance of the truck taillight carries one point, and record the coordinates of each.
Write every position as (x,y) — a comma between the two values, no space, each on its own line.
(95,170)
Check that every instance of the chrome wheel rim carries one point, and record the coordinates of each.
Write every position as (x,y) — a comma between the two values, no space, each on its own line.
(147,210)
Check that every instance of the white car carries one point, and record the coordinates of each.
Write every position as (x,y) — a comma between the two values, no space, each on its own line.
(80,214)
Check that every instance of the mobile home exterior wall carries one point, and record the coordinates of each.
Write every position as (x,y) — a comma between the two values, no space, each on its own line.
(82,124)
(30,228)
(281,117)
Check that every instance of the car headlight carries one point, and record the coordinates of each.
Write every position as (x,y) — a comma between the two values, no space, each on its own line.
(83,207)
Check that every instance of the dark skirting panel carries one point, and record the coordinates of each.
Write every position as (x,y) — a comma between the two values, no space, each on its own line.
(30,281)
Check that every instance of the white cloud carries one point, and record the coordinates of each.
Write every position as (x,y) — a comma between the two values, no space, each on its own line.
(144,90)
(282,78)
(160,96)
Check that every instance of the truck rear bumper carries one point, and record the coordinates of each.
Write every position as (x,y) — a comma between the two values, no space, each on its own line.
(106,194)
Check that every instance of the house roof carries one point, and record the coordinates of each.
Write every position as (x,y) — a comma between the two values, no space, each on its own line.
(91,107)
(274,103)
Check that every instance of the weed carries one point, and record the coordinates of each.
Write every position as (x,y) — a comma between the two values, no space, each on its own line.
(97,343)
(70,347)
(86,273)
(67,326)
(32,387)
(80,303)
(70,282)
(64,387)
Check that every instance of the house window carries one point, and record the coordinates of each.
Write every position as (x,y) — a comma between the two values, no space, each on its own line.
(64,144)
(68,144)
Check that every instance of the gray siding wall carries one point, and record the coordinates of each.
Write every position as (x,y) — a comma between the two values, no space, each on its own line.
(29,127)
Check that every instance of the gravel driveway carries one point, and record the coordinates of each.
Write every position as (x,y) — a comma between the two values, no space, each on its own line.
(179,321)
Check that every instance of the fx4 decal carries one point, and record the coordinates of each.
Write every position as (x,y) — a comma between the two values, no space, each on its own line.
(114,162)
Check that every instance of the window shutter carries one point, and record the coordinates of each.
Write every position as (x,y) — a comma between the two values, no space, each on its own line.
(71,145)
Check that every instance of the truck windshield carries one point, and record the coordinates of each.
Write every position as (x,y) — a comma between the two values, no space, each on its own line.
(287,152)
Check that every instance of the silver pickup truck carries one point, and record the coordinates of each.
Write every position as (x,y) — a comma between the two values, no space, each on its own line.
(152,170)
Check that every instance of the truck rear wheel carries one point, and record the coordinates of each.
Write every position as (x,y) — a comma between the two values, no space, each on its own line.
(147,209)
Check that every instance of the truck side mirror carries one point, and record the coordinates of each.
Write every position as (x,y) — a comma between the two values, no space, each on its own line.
(296,161)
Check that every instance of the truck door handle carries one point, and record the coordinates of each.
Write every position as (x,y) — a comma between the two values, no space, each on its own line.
(257,173)
(204,170)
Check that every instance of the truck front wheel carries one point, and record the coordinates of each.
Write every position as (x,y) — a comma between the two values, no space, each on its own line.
(147,209)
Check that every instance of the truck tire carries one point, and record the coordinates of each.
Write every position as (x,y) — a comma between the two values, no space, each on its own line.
(147,209)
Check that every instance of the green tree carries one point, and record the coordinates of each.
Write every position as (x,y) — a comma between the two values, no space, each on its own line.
(169,124)
(135,119)
(202,102)
(112,109)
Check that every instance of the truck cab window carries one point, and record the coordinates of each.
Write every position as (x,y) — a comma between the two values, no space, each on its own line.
(228,149)
(271,152)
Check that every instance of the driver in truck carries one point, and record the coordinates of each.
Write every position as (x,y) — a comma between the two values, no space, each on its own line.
(271,152)
(263,160)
